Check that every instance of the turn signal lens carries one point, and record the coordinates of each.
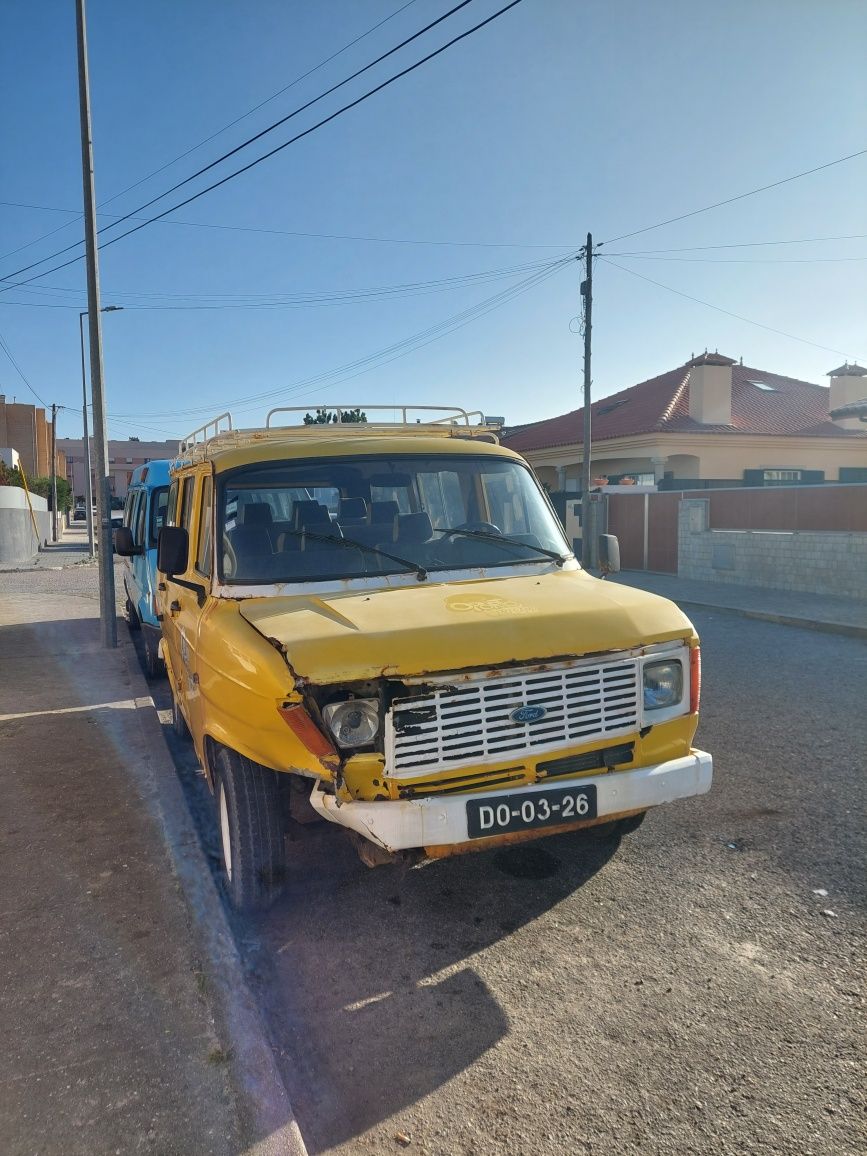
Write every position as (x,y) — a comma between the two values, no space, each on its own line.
(694,679)
(353,723)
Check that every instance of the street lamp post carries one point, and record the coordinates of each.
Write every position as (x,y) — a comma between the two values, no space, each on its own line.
(88,484)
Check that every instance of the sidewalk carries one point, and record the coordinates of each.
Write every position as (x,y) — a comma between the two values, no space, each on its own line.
(72,549)
(813,611)
(126,1023)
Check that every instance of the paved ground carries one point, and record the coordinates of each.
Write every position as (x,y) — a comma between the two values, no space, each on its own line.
(685,992)
(110,1043)
(821,611)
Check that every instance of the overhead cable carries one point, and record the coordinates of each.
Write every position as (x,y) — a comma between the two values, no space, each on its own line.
(257,136)
(719,309)
(738,197)
(219,131)
(389,353)
(21,373)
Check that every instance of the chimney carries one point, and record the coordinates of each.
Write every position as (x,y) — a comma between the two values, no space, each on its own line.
(710,389)
(847,387)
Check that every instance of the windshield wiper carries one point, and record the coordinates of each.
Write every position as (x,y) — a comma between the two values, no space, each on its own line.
(504,541)
(420,571)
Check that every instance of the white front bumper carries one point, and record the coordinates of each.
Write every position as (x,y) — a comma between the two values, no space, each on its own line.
(440,820)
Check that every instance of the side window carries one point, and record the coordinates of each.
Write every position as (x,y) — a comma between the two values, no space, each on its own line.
(127,509)
(159,505)
(203,553)
(187,502)
(172,506)
(140,513)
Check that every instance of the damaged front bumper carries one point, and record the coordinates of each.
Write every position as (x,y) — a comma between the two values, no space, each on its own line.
(441,821)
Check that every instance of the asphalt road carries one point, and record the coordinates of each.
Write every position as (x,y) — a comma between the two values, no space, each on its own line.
(684,992)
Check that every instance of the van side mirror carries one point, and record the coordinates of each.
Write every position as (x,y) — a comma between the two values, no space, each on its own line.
(173,548)
(609,554)
(124,544)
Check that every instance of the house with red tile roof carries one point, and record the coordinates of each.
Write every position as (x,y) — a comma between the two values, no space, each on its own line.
(712,421)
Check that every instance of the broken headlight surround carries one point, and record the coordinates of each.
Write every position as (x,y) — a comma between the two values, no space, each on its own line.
(354,722)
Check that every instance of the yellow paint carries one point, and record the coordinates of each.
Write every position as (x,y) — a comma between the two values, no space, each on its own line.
(233,663)
(431,626)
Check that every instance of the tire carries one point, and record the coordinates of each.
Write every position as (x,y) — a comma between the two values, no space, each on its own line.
(617,828)
(179,723)
(154,667)
(252,848)
(132,617)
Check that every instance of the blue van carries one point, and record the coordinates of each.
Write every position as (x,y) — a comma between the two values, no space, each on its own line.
(143,516)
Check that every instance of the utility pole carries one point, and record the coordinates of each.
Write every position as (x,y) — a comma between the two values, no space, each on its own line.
(587,294)
(107,611)
(53,472)
(88,484)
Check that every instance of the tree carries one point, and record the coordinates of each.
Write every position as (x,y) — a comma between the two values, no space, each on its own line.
(325,417)
(40,486)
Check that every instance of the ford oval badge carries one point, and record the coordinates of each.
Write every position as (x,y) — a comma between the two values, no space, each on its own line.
(528,714)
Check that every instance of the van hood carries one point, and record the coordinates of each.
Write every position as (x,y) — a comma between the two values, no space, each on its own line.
(417,630)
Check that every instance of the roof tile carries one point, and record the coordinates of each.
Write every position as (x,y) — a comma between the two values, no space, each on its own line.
(661,405)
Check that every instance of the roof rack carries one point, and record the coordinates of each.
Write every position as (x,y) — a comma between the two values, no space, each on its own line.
(450,421)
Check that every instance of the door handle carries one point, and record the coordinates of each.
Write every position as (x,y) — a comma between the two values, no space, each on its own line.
(175,607)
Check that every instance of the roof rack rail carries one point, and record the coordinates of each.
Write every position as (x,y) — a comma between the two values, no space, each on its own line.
(199,438)
(449,414)
(450,421)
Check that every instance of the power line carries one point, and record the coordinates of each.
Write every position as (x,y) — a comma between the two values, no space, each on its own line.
(269,99)
(381,356)
(741,260)
(297,300)
(257,136)
(727,312)
(219,131)
(21,373)
(252,164)
(297,233)
(744,245)
(739,197)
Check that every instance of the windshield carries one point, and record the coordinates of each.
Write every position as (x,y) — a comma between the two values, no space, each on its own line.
(299,521)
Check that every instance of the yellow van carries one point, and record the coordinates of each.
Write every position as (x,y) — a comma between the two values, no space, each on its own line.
(380,623)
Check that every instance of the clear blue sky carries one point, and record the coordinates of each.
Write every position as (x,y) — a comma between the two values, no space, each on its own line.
(560,117)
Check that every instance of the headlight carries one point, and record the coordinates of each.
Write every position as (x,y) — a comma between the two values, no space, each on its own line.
(353,723)
(663,684)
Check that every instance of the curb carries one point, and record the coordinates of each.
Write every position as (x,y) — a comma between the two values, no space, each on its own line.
(847,628)
(266,1110)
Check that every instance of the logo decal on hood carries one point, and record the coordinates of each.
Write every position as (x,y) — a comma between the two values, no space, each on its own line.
(489,605)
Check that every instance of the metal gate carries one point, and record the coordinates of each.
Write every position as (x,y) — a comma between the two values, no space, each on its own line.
(646,527)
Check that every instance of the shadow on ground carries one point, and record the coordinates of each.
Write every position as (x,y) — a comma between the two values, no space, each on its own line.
(365,977)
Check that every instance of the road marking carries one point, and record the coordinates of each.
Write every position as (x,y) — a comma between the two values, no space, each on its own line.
(120,704)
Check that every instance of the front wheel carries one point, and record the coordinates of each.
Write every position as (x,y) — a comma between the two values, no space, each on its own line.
(251,832)
(179,723)
(154,667)
(132,617)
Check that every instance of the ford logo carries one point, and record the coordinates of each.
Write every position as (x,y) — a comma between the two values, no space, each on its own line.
(528,714)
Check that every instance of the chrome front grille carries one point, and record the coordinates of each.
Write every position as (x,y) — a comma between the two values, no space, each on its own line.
(469,720)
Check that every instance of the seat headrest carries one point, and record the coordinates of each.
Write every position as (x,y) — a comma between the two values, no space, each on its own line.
(414,527)
(355,508)
(384,513)
(309,513)
(257,514)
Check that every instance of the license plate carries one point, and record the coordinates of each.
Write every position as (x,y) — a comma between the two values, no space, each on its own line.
(497,814)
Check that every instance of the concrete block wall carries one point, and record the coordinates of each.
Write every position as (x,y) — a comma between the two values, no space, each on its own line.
(811,561)
(18,543)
